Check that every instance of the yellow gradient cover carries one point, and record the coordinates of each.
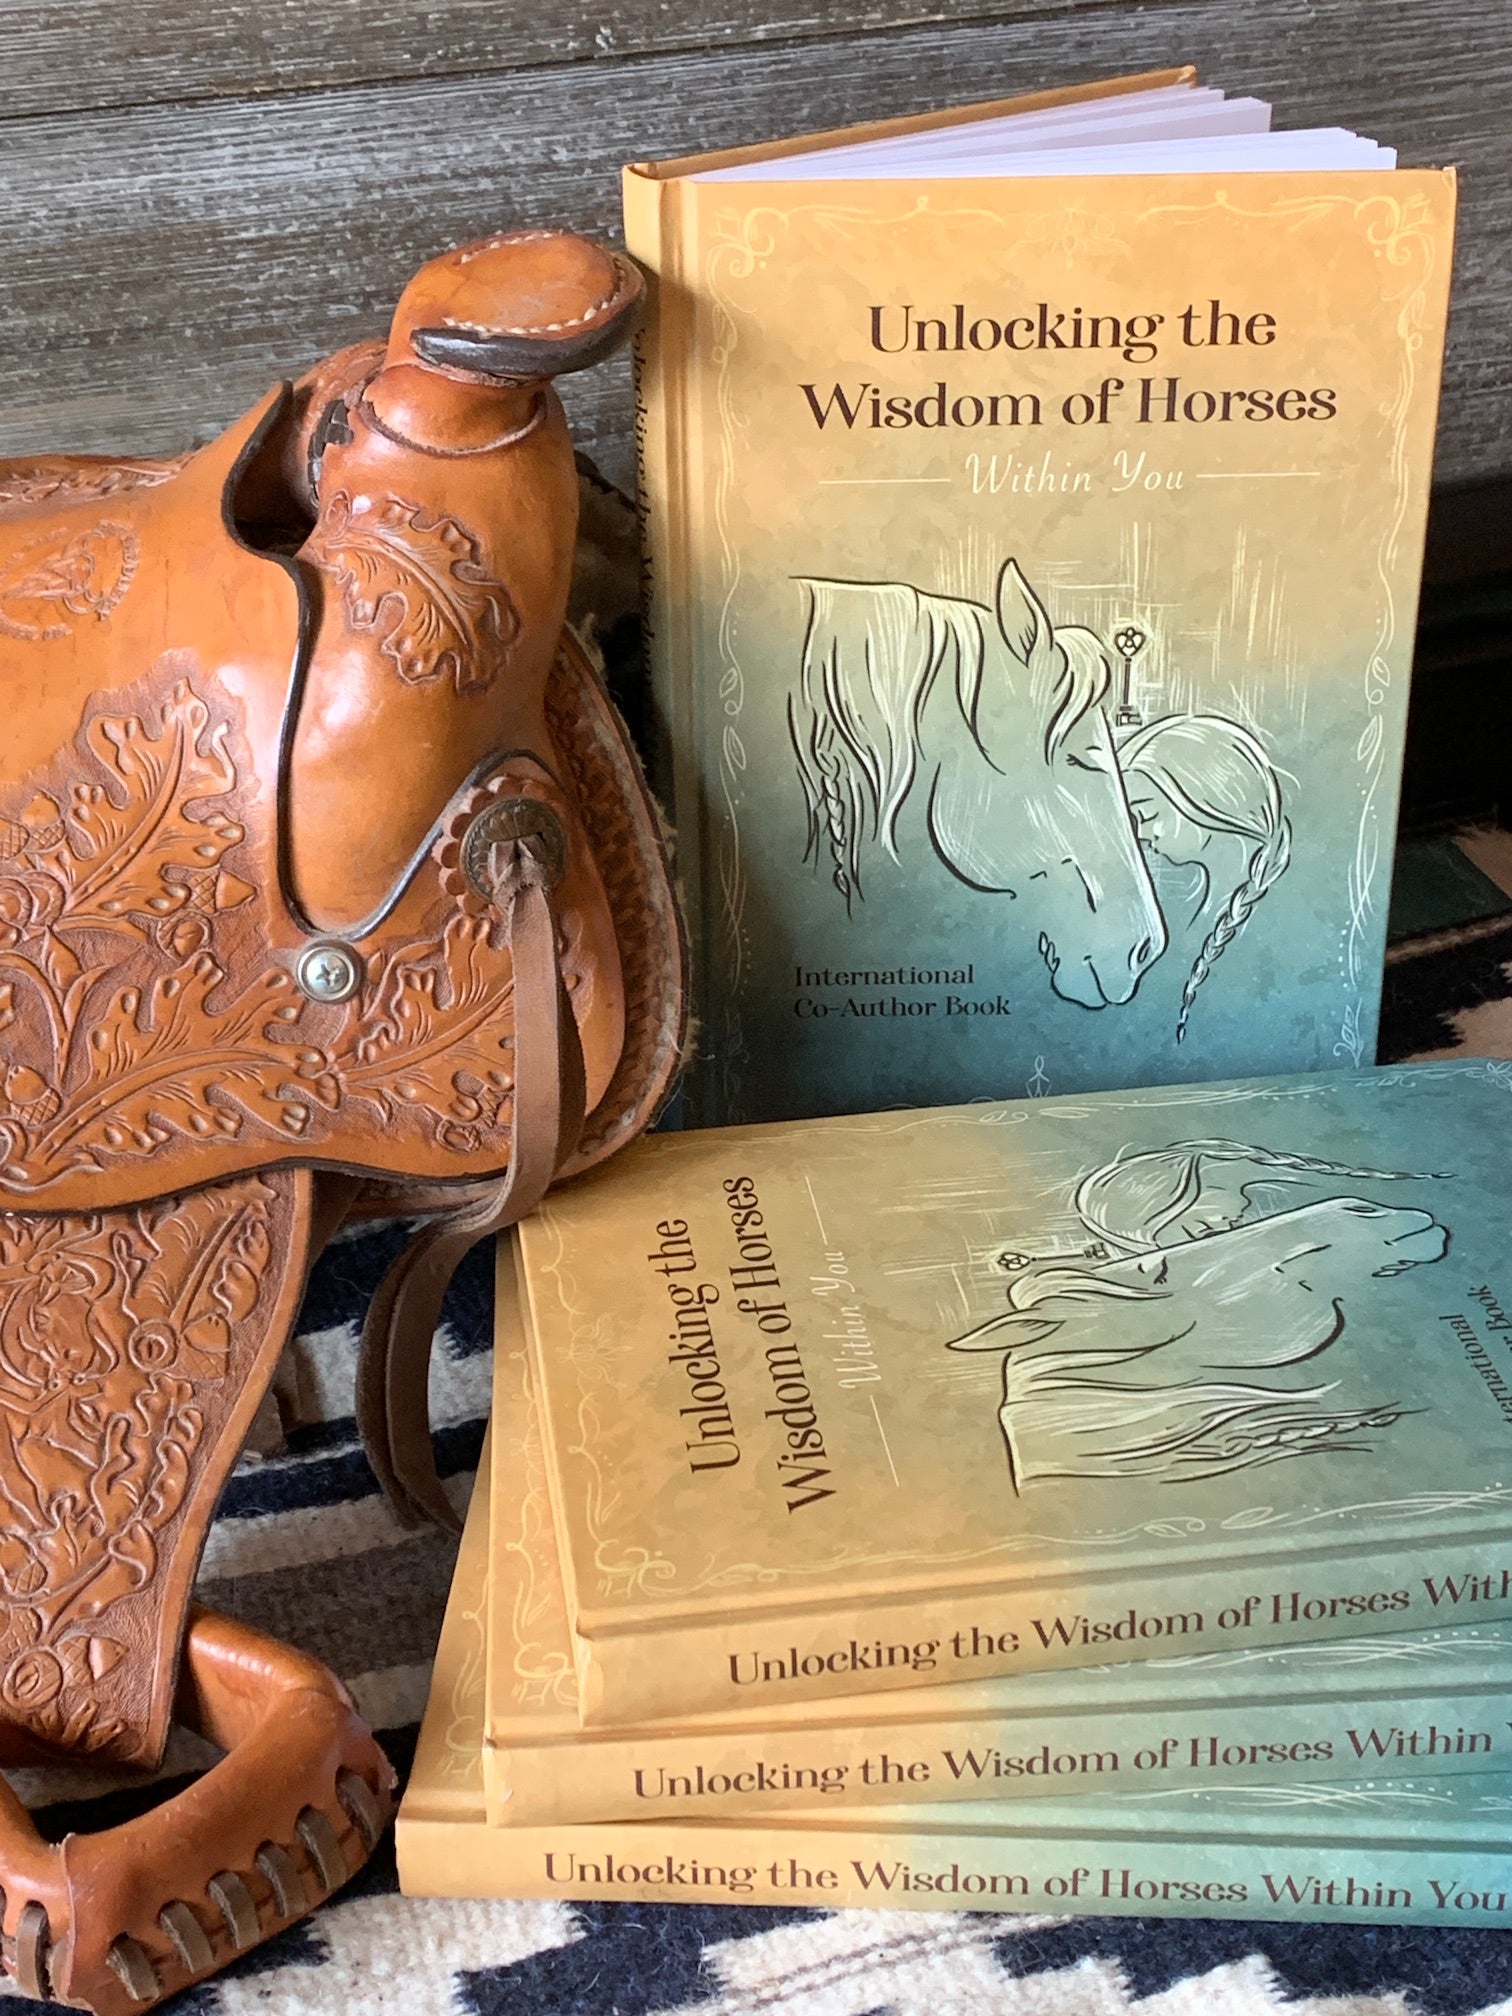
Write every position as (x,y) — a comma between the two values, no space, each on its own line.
(1418,1851)
(1428,1702)
(844,1405)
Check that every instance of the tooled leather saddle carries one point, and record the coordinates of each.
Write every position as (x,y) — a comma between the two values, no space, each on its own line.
(328,884)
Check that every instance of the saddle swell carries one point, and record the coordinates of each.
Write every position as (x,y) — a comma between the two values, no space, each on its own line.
(325,868)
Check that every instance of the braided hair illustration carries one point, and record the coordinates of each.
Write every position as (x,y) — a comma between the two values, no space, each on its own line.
(1140,1201)
(1217,777)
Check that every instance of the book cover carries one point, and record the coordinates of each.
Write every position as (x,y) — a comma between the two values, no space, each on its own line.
(1033,563)
(1423,1702)
(1390,1851)
(898,1399)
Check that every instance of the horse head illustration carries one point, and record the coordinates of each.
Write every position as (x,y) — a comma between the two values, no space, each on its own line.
(997,723)
(1156,1363)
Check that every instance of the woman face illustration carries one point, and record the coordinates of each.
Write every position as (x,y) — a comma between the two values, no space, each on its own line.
(1163,829)
(1201,1217)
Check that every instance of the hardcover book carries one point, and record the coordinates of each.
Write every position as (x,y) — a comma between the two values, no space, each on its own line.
(1034,501)
(1420,1702)
(1429,1851)
(837,1406)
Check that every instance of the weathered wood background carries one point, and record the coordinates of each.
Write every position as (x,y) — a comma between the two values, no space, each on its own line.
(196,199)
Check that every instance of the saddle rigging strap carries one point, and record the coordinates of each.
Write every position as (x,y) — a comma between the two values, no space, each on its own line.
(393,1364)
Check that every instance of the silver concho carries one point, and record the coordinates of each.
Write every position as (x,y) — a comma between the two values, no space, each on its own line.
(329,971)
(509,819)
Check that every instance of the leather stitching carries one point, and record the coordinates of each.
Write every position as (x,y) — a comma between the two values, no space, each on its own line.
(511,439)
(604,302)
(200,1951)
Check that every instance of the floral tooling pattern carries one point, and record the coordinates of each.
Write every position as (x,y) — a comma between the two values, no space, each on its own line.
(124,1339)
(50,584)
(139,1005)
(417,582)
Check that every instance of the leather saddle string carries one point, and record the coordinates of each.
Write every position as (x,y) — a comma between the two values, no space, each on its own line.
(547,1117)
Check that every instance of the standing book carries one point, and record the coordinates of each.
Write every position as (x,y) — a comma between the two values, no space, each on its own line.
(845,1405)
(1034,501)
(1429,1851)
(1419,1701)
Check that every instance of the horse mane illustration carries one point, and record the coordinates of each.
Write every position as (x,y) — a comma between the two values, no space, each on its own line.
(1115,1358)
(982,710)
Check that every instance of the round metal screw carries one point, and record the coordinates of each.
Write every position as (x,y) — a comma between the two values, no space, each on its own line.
(329,972)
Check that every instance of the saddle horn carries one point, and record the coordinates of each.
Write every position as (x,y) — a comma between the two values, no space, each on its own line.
(487,313)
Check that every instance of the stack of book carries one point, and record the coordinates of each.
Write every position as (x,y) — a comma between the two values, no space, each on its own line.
(1097,1504)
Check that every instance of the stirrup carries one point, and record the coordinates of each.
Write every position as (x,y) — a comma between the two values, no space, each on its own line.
(116,1921)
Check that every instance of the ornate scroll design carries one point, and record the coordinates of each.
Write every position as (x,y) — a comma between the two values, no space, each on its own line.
(417,582)
(51,582)
(125,1339)
(139,1006)
(66,482)
(543,1670)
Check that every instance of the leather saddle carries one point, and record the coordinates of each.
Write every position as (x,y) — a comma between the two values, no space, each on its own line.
(328,885)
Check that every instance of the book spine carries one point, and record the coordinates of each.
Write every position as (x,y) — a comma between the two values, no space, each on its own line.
(666,506)
(734,1666)
(1106,1870)
(725,1773)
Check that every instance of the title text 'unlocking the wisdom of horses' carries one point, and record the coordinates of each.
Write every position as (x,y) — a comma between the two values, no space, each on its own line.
(1135,338)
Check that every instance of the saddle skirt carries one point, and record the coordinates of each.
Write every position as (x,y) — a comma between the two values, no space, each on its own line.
(328,881)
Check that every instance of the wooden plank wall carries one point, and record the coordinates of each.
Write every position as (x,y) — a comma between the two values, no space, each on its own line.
(197,199)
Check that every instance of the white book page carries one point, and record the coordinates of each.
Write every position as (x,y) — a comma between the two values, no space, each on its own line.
(1175,129)
(1165,114)
(1086,115)
(1238,116)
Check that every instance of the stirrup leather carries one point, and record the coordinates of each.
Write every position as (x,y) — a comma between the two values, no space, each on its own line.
(546,1119)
